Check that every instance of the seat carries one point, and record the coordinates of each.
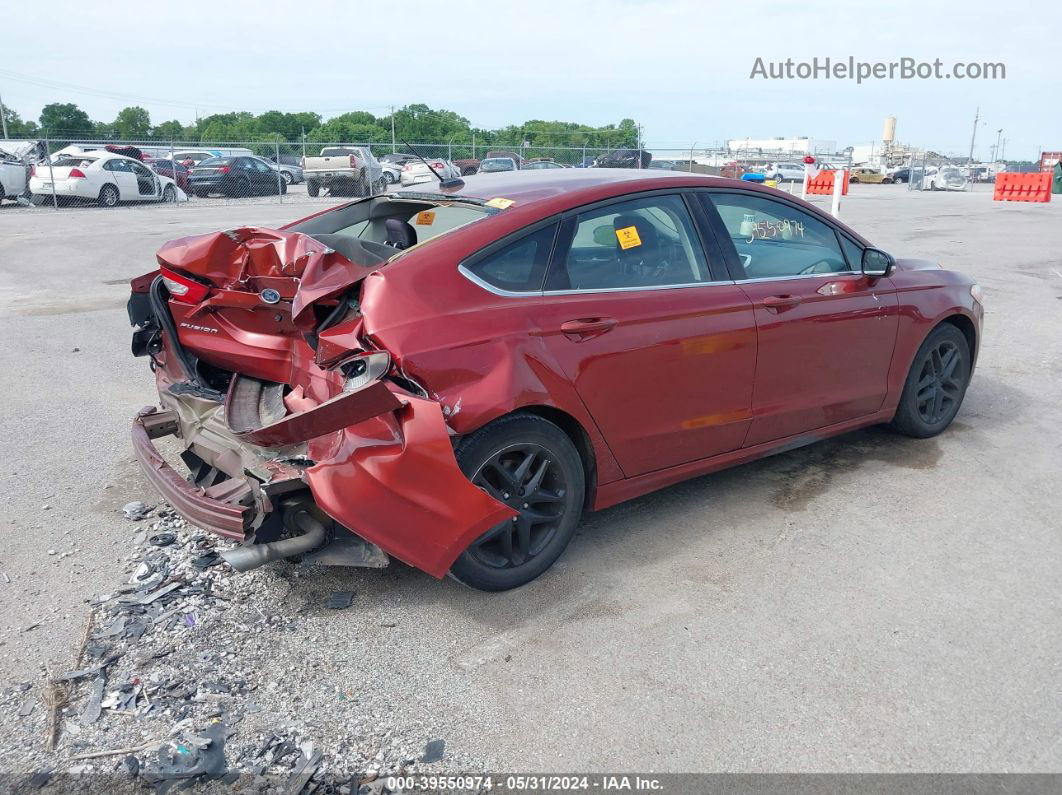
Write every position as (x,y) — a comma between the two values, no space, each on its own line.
(399,234)
(644,263)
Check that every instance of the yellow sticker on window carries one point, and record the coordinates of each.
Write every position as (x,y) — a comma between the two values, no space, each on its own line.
(425,218)
(500,204)
(628,237)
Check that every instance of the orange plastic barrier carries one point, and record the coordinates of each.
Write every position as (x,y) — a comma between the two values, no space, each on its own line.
(822,183)
(1034,187)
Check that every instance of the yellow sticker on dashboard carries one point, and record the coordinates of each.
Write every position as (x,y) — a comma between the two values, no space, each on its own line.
(500,204)
(425,218)
(628,237)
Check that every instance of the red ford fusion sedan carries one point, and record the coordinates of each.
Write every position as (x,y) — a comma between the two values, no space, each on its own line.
(452,376)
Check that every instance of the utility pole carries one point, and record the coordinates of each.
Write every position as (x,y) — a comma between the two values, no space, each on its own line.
(977,118)
(995,151)
(3,117)
(1002,157)
(394,147)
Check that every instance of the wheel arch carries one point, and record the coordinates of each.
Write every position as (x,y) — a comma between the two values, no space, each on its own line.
(966,326)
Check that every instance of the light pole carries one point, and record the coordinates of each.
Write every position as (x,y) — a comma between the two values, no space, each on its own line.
(3,117)
(999,136)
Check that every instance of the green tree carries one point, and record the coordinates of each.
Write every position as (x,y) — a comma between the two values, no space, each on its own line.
(289,126)
(132,122)
(16,127)
(172,130)
(420,123)
(65,118)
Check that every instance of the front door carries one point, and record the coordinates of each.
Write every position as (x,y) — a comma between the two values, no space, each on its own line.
(660,347)
(825,331)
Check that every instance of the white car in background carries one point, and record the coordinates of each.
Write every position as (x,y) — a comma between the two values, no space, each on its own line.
(944,178)
(415,171)
(102,177)
(392,173)
(785,172)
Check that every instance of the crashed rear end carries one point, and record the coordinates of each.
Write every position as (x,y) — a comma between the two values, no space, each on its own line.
(301,437)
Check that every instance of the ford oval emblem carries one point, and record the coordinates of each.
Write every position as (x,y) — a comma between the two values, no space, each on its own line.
(269,295)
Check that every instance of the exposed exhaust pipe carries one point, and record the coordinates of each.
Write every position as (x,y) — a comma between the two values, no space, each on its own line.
(251,556)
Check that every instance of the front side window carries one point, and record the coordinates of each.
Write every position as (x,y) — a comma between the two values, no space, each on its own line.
(776,240)
(519,266)
(648,242)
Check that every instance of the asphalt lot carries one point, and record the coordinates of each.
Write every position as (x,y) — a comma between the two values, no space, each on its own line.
(871,603)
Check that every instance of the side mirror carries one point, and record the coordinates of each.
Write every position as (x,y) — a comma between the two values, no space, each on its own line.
(877,263)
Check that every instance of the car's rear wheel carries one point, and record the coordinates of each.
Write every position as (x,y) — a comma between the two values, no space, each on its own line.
(313,188)
(936,384)
(531,465)
(391,179)
(108,196)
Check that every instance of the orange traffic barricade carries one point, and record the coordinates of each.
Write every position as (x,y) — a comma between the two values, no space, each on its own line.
(1014,187)
(822,183)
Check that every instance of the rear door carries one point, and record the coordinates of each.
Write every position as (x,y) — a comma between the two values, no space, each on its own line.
(825,331)
(657,339)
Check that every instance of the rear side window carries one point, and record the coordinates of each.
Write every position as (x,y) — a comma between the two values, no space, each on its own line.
(520,266)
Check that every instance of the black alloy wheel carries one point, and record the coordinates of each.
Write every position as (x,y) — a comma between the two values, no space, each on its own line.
(529,464)
(936,383)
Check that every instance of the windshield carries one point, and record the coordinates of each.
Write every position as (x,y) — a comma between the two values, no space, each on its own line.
(950,172)
(73,160)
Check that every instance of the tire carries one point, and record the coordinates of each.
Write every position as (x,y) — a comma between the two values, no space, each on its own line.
(283,188)
(169,194)
(853,180)
(313,188)
(390,178)
(381,186)
(288,179)
(935,385)
(516,552)
(108,196)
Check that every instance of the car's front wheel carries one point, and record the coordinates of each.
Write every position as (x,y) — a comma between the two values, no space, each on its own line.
(531,465)
(936,384)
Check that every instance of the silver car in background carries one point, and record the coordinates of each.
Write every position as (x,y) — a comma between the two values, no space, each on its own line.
(944,178)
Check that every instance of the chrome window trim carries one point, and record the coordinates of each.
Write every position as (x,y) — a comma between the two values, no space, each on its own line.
(654,287)
(827,275)
(490,288)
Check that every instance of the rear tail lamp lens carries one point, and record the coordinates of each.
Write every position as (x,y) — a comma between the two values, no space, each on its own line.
(183,288)
(364,368)
(77,173)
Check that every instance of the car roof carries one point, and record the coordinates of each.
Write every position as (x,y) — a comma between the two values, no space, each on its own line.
(542,192)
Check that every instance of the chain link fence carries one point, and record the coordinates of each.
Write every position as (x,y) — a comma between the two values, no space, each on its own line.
(129,173)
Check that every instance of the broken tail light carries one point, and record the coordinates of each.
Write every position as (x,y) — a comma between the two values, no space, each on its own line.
(365,367)
(77,173)
(182,288)
(353,161)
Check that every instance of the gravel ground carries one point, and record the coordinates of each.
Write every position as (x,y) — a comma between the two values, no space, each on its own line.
(871,603)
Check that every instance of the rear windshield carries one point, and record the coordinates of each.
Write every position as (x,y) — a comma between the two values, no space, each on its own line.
(413,222)
(216,161)
(71,160)
(500,164)
(339,152)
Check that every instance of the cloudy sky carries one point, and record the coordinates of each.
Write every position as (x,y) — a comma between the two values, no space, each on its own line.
(680,68)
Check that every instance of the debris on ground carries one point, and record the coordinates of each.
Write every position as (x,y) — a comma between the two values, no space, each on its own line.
(136,510)
(178,683)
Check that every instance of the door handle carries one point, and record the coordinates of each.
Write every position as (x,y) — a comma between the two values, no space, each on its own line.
(781,301)
(587,327)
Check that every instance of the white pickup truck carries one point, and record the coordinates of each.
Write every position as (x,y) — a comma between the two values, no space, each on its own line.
(15,160)
(344,170)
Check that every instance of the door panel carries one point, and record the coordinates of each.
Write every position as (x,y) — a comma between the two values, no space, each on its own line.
(825,331)
(662,356)
(823,360)
(667,375)
(124,177)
